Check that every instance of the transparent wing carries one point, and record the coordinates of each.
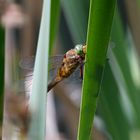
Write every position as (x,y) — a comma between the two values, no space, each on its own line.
(55,62)
(28,63)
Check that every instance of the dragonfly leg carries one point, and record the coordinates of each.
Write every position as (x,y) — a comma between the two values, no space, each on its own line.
(79,59)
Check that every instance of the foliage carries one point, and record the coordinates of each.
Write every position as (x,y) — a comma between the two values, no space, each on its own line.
(99,28)
(38,94)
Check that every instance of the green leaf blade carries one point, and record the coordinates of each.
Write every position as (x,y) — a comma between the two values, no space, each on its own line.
(99,28)
(37,102)
(54,22)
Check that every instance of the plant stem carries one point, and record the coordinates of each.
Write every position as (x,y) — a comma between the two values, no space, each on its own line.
(99,28)
(37,102)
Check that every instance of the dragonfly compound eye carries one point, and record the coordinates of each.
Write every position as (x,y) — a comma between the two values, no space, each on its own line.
(79,49)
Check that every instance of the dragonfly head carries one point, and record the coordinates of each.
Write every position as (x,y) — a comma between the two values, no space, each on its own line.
(79,50)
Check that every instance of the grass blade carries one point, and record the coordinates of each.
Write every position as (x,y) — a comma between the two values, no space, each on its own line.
(100,22)
(55,11)
(72,16)
(110,109)
(122,54)
(38,95)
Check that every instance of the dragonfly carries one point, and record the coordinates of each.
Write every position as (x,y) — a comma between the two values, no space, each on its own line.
(65,64)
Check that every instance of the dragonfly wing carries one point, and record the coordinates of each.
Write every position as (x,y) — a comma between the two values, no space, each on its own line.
(54,63)
(28,63)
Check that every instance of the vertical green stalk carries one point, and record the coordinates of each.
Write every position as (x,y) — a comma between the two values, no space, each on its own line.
(73,11)
(37,103)
(99,28)
(54,22)
(2,41)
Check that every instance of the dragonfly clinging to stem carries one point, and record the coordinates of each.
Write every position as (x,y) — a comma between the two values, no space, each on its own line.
(70,61)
